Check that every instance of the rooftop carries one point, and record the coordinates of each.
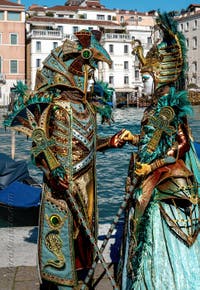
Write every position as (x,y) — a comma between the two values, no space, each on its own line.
(71,21)
(10,3)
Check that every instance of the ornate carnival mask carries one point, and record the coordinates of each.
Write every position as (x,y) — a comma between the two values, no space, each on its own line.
(164,61)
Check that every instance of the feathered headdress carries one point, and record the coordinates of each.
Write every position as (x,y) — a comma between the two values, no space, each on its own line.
(165,61)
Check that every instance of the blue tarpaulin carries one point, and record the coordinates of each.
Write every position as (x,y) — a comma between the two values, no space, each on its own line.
(11,170)
(18,194)
(197,147)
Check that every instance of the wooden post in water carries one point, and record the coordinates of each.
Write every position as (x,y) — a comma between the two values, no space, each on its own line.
(12,144)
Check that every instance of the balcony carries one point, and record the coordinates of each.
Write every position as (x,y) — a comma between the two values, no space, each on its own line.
(116,36)
(46,34)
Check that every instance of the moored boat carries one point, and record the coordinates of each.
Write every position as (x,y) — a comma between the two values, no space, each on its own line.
(19,194)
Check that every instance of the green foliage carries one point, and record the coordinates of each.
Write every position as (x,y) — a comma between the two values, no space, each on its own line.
(192,86)
(49,14)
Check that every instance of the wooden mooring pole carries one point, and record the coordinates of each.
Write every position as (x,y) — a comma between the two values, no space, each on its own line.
(13,144)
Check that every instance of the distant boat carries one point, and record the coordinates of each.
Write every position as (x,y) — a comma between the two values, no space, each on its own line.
(20,195)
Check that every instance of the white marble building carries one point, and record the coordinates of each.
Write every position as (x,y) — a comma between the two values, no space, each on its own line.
(189,25)
(48,27)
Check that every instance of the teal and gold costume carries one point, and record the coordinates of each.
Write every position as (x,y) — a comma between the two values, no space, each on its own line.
(161,245)
(60,117)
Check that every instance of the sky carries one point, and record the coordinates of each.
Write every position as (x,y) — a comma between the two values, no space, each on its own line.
(139,5)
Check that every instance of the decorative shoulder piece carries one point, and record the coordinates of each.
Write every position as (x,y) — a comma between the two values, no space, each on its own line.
(162,125)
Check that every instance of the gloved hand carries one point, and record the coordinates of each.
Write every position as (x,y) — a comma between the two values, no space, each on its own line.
(142,169)
(116,140)
(127,136)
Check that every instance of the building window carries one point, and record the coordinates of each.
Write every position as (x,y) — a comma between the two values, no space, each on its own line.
(126,48)
(149,40)
(187,26)
(109,17)
(181,26)
(111,48)
(137,74)
(38,46)
(60,27)
(136,57)
(100,17)
(13,38)
(195,24)
(131,18)
(121,18)
(14,16)
(111,80)
(90,28)
(140,18)
(75,29)
(195,42)
(13,66)
(187,42)
(55,44)
(126,80)
(125,64)
(1,15)
(194,67)
(38,62)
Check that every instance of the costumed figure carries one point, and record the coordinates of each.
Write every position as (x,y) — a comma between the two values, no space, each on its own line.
(161,245)
(60,117)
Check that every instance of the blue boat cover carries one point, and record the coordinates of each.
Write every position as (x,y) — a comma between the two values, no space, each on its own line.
(11,170)
(197,148)
(18,194)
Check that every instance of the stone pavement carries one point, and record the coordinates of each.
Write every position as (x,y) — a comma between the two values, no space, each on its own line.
(18,269)
(26,278)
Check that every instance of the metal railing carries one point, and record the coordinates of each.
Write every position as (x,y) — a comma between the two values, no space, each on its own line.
(46,33)
(116,36)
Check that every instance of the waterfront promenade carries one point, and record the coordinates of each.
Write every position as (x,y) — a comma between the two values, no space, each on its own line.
(18,263)
(26,278)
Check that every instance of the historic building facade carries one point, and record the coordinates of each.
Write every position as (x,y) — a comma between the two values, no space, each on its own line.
(48,27)
(12,47)
(189,25)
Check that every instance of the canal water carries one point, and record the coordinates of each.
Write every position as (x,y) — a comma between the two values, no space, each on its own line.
(112,165)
